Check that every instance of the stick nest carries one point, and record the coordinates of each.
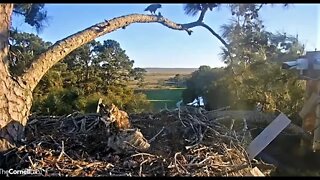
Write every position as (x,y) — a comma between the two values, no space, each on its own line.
(181,142)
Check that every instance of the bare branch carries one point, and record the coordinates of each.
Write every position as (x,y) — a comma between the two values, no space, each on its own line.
(203,12)
(20,13)
(258,9)
(215,34)
(218,37)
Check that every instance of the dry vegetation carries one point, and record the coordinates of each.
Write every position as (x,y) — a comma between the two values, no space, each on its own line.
(183,142)
(155,77)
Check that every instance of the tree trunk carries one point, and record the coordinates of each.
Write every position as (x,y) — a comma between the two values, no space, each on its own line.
(15,105)
(15,99)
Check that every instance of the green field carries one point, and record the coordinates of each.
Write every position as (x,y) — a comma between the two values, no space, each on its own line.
(161,98)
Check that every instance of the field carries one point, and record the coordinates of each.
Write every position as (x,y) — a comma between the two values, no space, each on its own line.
(161,98)
(155,77)
(172,71)
(159,94)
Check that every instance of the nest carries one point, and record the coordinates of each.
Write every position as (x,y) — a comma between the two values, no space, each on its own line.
(181,142)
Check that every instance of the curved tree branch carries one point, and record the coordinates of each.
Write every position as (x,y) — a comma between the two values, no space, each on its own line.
(220,39)
(215,34)
(60,49)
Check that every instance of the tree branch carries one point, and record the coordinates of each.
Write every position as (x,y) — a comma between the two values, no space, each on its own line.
(203,12)
(20,13)
(215,34)
(60,49)
(258,9)
(220,39)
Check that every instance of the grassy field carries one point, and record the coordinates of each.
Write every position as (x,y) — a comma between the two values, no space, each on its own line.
(161,98)
(170,70)
(155,77)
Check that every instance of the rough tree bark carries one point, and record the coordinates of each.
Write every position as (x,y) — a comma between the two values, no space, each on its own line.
(16,92)
(15,99)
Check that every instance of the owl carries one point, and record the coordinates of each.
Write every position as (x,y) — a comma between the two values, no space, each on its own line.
(117,117)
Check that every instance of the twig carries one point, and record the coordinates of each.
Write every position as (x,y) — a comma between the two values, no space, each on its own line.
(62,151)
(175,161)
(179,116)
(140,169)
(143,154)
(154,137)
(83,125)
(239,167)
(32,164)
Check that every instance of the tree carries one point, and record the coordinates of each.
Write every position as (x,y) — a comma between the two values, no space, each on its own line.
(203,82)
(34,14)
(16,92)
(94,70)
(255,49)
(114,65)
(23,47)
(256,74)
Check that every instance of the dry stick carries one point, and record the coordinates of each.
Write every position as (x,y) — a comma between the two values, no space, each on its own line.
(179,111)
(238,168)
(154,137)
(75,124)
(175,162)
(62,151)
(191,162)
(22,159)
(62,169)
(202,148)
(92,164)
(92,125)
(192,146)
(32,164)
(140,170)
(185,170)
(83,125)
(206,159)
(143,154)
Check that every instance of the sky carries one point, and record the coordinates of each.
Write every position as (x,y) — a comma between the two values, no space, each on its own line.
(154,45)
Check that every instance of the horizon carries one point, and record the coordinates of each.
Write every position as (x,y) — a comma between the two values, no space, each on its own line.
(156,46)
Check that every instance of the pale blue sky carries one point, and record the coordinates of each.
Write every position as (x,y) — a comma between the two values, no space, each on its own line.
(154,45)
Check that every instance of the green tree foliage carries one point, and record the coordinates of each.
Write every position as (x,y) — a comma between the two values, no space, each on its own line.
(95,70)
(34,14)
(194,9)
(204,82)
(139,75)
(179,80)
(115,66)
(254,73)
(23,47)
(257,74)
